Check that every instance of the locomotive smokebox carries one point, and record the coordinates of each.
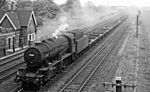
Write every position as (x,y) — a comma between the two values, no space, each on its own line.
(43,52)
(32,57)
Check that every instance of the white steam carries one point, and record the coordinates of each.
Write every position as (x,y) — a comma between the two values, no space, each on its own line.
(63,27)
(77,17)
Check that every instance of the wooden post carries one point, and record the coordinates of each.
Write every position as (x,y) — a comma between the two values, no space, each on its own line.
(29,42)
(22,43)
(13,48)
(4,50)
(118,84)
(14,44)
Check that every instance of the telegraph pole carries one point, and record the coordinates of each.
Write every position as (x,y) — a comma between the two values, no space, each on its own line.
(137,23)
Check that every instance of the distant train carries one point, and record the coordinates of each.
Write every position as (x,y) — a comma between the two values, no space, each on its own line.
(49,56)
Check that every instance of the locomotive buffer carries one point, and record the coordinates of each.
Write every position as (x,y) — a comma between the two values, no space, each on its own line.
(118,84)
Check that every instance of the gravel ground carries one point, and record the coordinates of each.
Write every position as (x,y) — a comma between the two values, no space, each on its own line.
(134,57)
(127,55)
(144,47)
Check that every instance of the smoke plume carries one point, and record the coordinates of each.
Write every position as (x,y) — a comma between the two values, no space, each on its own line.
(72,16)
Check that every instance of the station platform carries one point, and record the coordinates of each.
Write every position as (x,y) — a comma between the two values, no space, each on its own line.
(9,52)
(16,49)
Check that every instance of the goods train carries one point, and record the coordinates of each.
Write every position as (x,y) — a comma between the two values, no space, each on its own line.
(48,57)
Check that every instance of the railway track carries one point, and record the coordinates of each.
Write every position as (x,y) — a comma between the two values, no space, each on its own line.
(116,23)
(11,64)
(9,59)
(107,23)
(103,23)
(80,79)
(109,75)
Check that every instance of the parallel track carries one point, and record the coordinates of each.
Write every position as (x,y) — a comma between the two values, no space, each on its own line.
(9,65)
(11,58)
(112,71)
(9,70)
(103,23)
(96,28)
(77,83)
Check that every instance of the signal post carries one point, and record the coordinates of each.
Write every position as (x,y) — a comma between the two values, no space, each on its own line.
(118,85)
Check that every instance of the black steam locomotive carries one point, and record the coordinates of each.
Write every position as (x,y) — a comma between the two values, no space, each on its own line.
(49,56)
(46,58)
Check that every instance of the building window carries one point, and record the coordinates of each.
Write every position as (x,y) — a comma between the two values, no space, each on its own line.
(9,43)
(31,37)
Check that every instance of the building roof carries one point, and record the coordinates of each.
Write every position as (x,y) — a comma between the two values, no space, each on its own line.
(13,17)
(24,20)
(2,13)
(18,18)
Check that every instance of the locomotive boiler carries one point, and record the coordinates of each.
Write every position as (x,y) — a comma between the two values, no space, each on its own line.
(43,52)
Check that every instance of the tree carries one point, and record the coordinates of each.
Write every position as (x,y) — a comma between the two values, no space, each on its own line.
(73,7)
(24,4)
(72,4)
(46,8)
(2,4)
(6,4)
(39,20)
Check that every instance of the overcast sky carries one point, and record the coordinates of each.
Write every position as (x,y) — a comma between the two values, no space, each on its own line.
(138,3)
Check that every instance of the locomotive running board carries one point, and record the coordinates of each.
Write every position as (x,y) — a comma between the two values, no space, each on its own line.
(58,61)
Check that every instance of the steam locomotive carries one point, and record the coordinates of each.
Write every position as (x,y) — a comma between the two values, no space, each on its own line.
(49,56)
(46,58)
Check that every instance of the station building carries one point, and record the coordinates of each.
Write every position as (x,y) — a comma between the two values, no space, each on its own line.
(17,29)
